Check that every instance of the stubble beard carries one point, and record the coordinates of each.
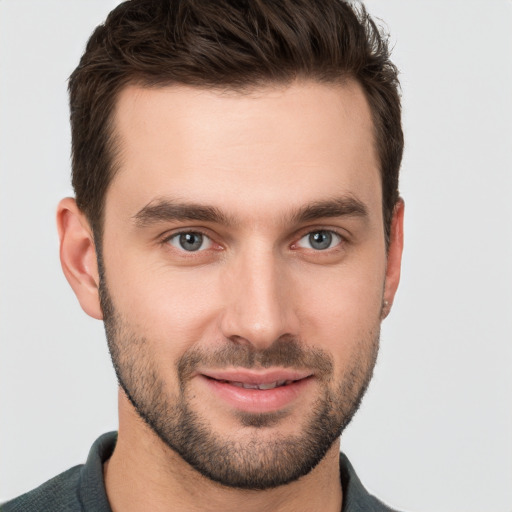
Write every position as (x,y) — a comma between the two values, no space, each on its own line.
(256,460)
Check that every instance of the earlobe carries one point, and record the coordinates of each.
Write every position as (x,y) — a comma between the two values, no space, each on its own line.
(394,259)
(78,256)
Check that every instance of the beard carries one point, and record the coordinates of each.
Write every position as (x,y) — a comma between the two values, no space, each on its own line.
(253,459)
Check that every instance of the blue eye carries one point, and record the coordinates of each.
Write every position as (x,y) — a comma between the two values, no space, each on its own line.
(190,241)
(320,240)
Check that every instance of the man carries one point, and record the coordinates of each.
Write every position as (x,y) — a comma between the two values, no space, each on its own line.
(237,227)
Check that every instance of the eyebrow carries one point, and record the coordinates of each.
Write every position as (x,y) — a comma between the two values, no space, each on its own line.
(168,210)
(346,206)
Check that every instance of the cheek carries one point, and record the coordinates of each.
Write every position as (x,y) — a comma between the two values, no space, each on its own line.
(336,306)
(171,309)
(341,311)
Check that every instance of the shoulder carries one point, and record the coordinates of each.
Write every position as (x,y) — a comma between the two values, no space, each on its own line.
(355,497)
(79,488)
(58,495)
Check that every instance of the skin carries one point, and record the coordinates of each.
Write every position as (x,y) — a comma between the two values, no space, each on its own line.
(258,158)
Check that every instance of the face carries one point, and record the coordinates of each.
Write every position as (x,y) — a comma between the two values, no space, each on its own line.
(243,272)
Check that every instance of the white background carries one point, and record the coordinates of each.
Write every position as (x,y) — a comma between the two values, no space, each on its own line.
(435,430)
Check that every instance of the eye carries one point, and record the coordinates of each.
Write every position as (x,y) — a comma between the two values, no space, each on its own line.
(190,241)
(320,240)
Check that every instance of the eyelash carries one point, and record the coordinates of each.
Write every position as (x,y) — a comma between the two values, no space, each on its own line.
(332,233)
(342,240)
(167,239)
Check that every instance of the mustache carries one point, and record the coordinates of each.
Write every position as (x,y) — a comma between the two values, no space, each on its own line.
(287,351)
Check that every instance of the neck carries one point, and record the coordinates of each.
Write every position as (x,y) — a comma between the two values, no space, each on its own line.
(145,474)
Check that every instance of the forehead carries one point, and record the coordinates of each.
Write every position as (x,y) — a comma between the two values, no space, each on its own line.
(271,147)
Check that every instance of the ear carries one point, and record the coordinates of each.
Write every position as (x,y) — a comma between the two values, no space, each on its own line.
(78,256)
(394,261)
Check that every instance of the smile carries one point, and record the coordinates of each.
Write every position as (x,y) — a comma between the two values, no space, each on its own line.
(269,385)
(257,392)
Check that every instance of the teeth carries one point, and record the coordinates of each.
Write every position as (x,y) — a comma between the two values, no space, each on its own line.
(269,385)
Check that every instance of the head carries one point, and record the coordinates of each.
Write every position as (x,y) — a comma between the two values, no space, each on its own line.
(226,46)
(237,223)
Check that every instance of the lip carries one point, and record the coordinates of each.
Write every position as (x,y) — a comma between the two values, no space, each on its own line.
(257,377)
(220,383)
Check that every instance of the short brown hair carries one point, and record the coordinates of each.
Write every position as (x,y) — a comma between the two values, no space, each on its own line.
(226,44)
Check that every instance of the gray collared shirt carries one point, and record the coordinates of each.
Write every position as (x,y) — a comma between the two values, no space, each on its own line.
(81,488)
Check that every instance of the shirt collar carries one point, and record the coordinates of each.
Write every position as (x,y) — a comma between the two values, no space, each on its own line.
(93,496)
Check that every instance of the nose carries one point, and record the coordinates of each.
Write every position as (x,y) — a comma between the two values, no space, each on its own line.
(259,300)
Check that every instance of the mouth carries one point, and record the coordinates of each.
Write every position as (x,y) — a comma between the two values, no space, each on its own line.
(258,392)
(263,385)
